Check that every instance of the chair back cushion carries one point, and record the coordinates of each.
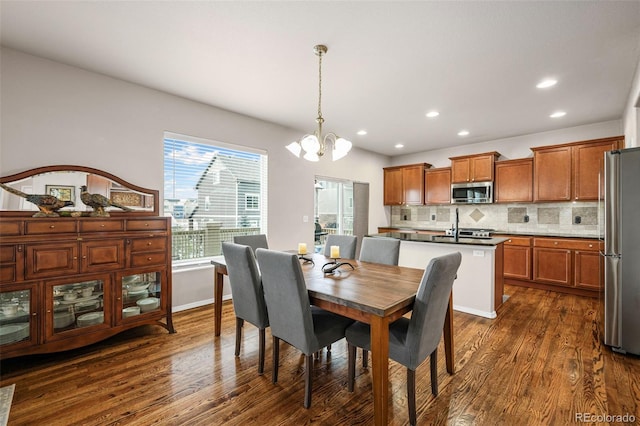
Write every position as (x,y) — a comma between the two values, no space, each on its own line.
(254,241)
(430,307)
(246,284)
(380,250)
(347,244)
(287,299)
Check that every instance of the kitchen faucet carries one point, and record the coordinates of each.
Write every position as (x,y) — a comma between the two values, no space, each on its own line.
(454,230)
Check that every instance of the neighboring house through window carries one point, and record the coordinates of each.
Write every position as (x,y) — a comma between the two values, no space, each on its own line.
(213,191)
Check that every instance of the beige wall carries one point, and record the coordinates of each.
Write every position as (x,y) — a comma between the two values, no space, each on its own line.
(52,113)
(632,112)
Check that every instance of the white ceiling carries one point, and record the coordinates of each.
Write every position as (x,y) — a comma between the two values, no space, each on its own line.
(389,62)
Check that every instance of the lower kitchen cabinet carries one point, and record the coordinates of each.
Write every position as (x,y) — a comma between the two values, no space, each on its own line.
(570,265)
(517,258)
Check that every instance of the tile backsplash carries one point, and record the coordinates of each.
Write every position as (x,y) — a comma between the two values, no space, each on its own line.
(573,218)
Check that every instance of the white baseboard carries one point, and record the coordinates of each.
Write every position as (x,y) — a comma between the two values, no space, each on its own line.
(466,310)
(197,304)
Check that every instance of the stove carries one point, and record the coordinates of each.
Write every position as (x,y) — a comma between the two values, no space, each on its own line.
(472,232)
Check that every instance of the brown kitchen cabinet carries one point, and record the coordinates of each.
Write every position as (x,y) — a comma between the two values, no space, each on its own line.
(574,263)
(517,258)
(571,171)
(404,185)
(437,186)
(70,281)
(473,168)
(514,181)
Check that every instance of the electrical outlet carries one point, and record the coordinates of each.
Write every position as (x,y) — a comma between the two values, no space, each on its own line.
(577,220)
(526,218)
(433,217)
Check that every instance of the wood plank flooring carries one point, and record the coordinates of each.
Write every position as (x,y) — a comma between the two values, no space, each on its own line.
(541,362)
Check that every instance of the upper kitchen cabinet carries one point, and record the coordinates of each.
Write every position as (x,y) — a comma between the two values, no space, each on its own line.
(473,168)
(437,186)
(404,184)
(514,181)
(571,171)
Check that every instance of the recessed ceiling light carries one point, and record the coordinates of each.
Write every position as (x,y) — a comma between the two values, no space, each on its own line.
(546,83)
(463,133)
(432,114)
(558,114)
(399,145)
(362,132)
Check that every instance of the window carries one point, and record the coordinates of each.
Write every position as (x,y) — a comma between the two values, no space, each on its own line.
(252,201)
(213,191)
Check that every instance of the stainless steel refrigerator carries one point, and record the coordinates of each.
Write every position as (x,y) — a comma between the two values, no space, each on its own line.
(622,250)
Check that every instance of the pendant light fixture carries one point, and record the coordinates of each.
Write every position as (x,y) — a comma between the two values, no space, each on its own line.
(316,144)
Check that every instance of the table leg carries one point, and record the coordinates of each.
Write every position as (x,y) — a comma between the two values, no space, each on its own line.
(380,368)
(448,337)
(218,281)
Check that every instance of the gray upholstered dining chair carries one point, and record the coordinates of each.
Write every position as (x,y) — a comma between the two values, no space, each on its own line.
(347,244)
(247,293)
(411,340)
(255,241)
(292,318)
(380,250)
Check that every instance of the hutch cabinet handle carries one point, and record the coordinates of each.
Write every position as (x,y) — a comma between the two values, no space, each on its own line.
(52,226)
(48,311)
(149,243)
(102,226)
(75,257)
(590,245)
(146,224)
(555,243)
(84,257)
(509,241)
(149,259)
(118,299)
(34,314)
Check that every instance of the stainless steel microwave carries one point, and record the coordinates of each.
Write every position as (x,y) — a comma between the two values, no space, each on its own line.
(472,193)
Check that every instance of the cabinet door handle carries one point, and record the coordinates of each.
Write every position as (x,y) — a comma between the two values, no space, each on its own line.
(102,226)
(146,224)
(509,241)
(34,314)
(48,311)
(84,257)
(149,243)
(555,243)
(590,245)
(149,259)
(75,257)
(51,226)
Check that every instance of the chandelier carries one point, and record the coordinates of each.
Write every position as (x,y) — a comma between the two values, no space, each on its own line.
(315,145)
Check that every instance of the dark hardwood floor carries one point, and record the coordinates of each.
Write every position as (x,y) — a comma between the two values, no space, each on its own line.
(541,362)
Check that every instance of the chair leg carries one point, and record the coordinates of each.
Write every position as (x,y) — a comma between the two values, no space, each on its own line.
(351,375)
(261,344)
(411,395)
(276,359)
(308,381)
(329,348)
(433,360)
(365,358)
(239,324)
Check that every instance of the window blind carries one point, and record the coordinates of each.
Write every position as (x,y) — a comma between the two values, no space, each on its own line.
(213,191)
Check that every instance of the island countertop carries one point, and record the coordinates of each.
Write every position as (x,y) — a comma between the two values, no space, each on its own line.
(441,239)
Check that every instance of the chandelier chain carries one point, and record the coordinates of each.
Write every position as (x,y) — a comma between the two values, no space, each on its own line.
(319,84)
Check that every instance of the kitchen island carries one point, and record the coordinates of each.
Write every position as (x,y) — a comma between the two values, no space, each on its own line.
(478,289)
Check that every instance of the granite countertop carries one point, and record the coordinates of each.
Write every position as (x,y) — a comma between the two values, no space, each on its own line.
(514,233)
(441,239)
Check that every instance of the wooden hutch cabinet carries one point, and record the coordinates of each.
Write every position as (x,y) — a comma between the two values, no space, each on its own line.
(473,168)
(69,281)
(404,185)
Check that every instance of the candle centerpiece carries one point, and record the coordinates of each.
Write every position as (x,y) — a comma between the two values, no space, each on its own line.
(334,254)
(302,251)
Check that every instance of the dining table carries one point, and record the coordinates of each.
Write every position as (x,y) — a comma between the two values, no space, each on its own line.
(372,293)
